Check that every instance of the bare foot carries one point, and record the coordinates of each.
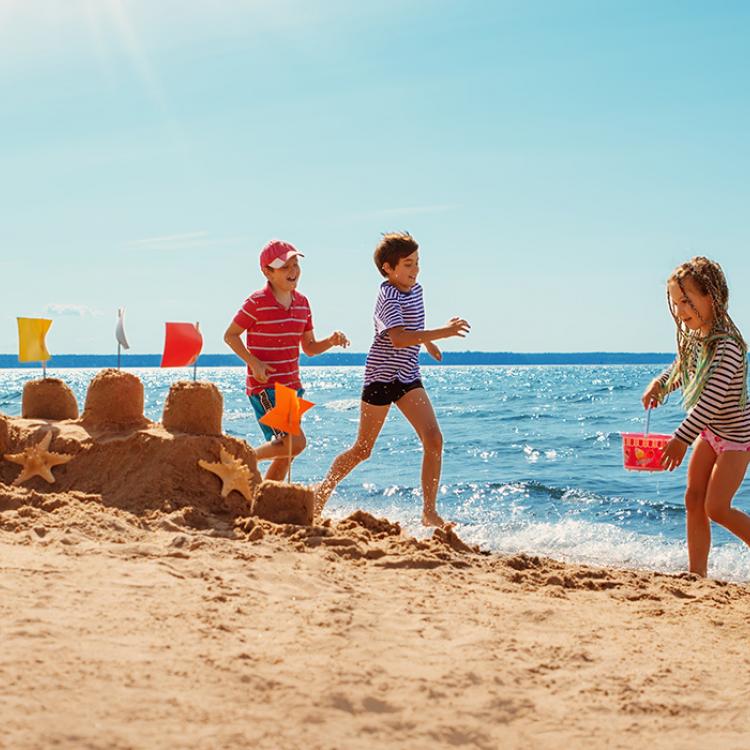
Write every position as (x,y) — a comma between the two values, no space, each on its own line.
(431,518)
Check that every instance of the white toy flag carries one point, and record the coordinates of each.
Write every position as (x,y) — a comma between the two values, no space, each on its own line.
(122,342)
(120,330)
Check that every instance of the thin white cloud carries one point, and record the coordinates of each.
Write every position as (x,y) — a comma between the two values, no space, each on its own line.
(65,309)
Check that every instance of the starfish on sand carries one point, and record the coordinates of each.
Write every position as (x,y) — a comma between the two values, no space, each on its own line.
(234,474)
(37,460)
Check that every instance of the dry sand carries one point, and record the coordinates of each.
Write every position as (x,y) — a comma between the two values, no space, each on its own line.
(139,631)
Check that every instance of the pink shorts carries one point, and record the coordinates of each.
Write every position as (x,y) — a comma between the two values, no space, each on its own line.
(720,444)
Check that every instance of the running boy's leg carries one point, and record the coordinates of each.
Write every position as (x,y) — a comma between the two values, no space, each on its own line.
(697,523)
(416,407)
(279,467)
(371,419)
(726,478)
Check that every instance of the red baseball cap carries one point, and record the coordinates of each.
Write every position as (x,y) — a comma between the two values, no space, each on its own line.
(276,253)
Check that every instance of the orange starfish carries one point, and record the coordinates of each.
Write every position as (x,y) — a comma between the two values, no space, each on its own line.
(234,474)
(38,461)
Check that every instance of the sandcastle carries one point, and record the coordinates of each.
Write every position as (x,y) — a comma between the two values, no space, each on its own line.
(48,398)
(119,456)
(114,399)
(193,407)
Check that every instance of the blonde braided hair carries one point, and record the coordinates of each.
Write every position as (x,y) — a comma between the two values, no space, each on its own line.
(695,353)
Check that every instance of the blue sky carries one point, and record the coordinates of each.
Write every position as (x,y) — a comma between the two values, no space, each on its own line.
(554,159)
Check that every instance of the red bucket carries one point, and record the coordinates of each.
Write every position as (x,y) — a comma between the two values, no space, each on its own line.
(643,452)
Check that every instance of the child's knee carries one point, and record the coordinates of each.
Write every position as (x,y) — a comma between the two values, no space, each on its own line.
(717,511)
(432,440)
(299,442)
(361,451)
(695,500)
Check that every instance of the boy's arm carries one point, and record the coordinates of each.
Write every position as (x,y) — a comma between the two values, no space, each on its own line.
(312,346)
(400,337)
(233,339)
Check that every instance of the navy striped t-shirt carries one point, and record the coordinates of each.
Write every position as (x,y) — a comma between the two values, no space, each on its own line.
(394,309)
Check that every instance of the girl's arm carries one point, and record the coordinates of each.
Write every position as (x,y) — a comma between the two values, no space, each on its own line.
(664,377)
(401,337)
(715,392)
(657,389)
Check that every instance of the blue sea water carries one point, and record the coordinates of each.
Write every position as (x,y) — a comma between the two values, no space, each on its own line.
(532,462)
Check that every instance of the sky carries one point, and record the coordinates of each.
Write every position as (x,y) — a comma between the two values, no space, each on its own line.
(555,159)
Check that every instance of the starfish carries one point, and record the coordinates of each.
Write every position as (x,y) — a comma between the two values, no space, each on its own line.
(37,460)
(234,474)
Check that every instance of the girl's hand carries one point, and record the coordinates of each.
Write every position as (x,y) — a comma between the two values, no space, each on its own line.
(262,371)
(651,397)
(457,327)
(433,351)
(337,338)
(674,452)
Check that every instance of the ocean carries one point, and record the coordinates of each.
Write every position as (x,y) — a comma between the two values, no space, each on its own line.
(532,459)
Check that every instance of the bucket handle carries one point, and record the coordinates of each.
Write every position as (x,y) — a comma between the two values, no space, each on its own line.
(648,419)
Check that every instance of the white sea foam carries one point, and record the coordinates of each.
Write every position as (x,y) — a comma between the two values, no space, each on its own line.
(342,404)
(570,540)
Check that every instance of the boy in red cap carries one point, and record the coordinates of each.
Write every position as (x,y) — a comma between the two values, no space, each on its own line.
(278,321)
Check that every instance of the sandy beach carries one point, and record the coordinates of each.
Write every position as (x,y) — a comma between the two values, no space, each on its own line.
(140,608)
(132,631)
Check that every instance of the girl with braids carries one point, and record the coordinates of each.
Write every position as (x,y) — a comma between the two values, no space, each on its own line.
(711,370)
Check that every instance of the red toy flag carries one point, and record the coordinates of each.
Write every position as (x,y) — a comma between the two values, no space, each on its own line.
(182,345)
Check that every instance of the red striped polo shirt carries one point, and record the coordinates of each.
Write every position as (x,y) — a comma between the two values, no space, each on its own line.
(274,333)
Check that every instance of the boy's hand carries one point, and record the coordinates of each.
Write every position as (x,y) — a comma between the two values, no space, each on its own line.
(262,371)
(433,351)
(337,338)
(674,452)
(457,327)
(652,395)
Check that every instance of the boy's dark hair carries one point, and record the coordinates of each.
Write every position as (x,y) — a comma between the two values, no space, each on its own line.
(393,247)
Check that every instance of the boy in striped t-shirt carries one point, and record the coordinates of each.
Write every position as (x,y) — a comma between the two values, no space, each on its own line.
(278,321)
(392,371)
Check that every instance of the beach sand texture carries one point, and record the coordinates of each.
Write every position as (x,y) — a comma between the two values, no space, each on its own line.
(140,610)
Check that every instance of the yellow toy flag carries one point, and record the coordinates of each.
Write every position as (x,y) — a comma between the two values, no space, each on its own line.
(31,344)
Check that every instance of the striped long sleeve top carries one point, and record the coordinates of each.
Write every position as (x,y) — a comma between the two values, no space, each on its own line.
(718,407)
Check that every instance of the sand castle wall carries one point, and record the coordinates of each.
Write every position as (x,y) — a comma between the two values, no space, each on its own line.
(114,399)
(49,398)
(284,503)
(194,408)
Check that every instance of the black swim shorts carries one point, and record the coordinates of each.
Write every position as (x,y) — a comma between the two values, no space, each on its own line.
(382,394)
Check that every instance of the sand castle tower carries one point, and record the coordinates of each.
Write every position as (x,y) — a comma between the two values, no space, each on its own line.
(48,398)
(194,407)
(114,400)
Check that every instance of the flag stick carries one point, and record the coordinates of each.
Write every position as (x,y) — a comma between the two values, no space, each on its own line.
(44,370)
(289,474)
(118,355)
(195,364)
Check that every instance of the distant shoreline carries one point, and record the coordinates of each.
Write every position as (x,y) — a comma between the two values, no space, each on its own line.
(357,359)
